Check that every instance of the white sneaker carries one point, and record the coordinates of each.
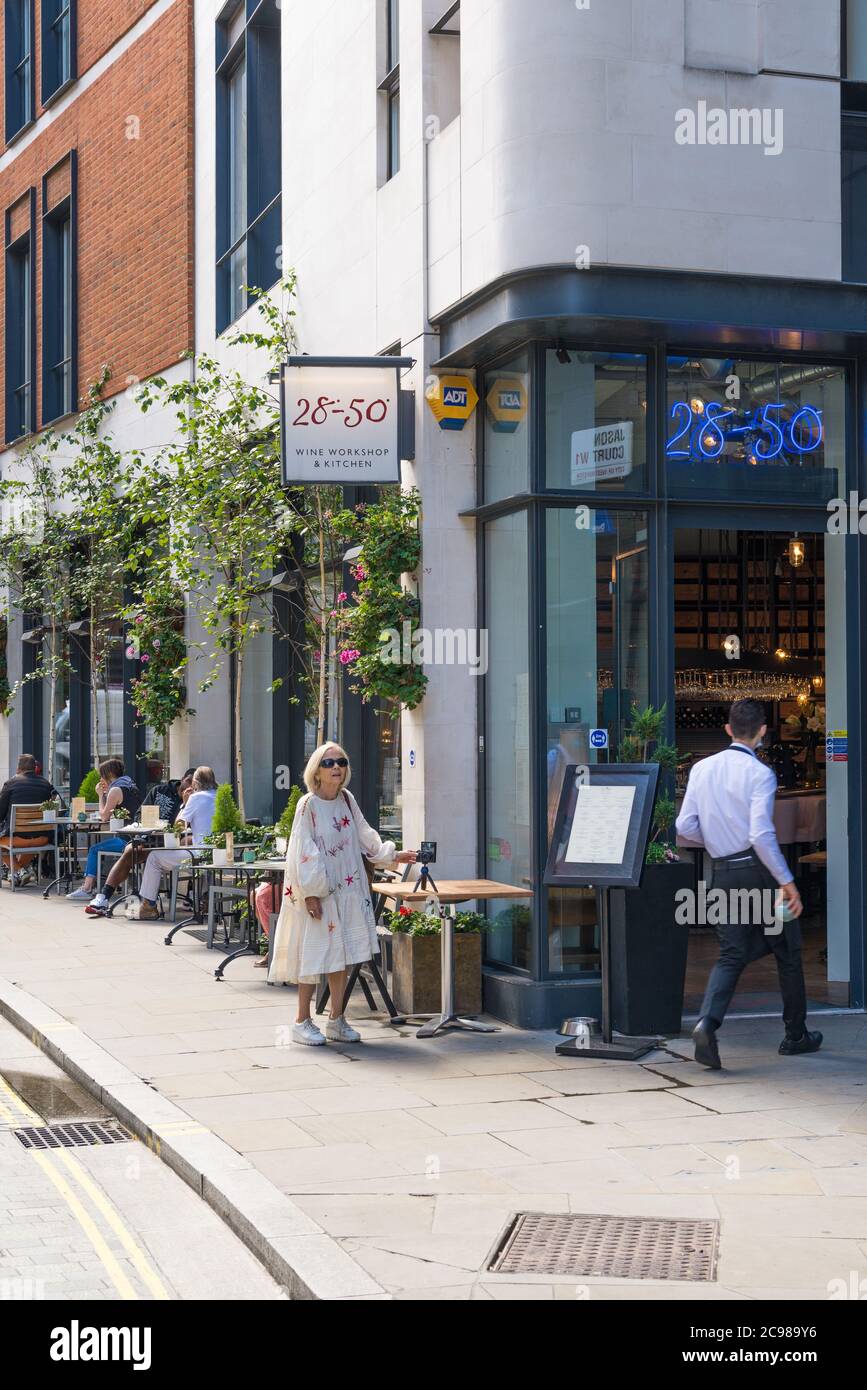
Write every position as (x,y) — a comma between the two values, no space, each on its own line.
(338,1030)
(308,1034)
(80,895)
(97,906)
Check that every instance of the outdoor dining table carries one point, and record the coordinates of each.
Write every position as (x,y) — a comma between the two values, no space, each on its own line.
(71,828)
(240,867)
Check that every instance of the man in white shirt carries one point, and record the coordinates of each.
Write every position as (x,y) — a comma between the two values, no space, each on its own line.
(729,809)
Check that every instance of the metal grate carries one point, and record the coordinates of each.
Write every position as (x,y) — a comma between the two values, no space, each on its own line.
(607,1247)
(73,1136)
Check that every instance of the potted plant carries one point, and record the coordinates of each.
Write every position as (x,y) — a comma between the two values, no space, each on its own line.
(283,828)
(416,960)
(809,722)
(172,838)
(49,810)
(118,818)
(648,945)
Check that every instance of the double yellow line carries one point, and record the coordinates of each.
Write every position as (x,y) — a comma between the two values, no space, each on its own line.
(13,1110)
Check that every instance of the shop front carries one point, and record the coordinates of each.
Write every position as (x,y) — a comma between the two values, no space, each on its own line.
(654,530)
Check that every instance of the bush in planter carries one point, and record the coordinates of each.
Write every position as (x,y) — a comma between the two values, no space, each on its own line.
(226,814)
(89,785)
(416,960)
(648,946)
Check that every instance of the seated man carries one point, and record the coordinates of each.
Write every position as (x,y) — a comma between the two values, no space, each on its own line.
(26,788)
(114,789)
(198,816)
(171,809)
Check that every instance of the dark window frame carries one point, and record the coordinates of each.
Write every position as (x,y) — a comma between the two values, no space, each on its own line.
(255,45)
(56,404)
(52,79)
(390,87)
(20,53)
(23,412)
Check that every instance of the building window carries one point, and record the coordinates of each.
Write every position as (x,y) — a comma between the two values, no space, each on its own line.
(20,43)
(854,44)
(58,58)
(446,66)
(595,420)
(390,87)
(249,252)
(20,318)
(59,387)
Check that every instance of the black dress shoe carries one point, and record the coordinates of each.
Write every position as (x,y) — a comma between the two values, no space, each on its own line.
(706,1050)
(791,1047)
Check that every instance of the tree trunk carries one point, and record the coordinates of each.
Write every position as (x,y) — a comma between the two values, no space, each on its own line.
(52,701)
(239,748)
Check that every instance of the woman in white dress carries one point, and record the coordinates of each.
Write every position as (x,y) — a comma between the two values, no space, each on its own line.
(326,920)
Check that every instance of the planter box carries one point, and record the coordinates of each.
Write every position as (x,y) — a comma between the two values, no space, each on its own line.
(416,975)
(648,952)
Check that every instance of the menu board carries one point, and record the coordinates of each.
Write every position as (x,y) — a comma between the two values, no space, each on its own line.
(602,827)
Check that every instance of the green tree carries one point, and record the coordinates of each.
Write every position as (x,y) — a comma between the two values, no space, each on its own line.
(227,817)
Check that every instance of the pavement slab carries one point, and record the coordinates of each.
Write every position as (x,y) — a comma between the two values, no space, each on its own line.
(388,1169)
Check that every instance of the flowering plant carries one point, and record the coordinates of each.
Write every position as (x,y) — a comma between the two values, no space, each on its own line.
(407,921)
(156,641)
(809,720)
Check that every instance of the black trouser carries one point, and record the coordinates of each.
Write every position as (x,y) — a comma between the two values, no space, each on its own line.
(739,945)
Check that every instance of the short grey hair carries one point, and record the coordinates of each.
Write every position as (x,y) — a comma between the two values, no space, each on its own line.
(311,771)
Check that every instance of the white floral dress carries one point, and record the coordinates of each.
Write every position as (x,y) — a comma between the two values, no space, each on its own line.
(325,860)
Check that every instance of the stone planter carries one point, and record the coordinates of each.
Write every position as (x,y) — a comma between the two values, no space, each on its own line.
(416,975)
(114,824)
(170,841)
(49,817)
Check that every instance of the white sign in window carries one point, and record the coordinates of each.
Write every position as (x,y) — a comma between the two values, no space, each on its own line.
(600,454)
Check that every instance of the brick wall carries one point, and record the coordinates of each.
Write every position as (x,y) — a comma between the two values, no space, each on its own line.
(133,133)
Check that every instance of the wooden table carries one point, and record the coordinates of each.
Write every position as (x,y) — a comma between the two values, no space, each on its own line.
(450,891)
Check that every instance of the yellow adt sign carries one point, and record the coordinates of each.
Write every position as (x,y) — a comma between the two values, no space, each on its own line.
(507,404)
(452,400)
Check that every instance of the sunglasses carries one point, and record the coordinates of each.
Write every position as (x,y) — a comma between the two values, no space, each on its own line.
(334,762)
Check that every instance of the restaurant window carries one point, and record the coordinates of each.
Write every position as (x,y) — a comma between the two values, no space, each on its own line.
(59,388)
(58,59)
(19,46)
(597,644)
(595,421)
(507,735)
(853,159)
(390,88)
(755,428)
(20,319)
(248,158)
(506,392)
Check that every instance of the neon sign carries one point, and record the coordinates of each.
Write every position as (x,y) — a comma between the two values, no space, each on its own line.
(758,436)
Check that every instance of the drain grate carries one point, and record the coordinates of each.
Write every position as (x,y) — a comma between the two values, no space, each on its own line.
(612,1247)
(73,1136)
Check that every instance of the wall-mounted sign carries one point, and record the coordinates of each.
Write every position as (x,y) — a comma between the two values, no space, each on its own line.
(707,430)
(452,400)
(837,746)
(507,403)
(598,738)
(600,454)
(341,419)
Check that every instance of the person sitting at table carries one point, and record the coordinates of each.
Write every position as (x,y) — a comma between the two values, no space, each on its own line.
(267,897)
(27,788)
(326,922)
(115,789)
(198,816)
(171,804)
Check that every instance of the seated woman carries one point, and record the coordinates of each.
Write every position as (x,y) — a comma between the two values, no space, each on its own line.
(115,789)
(198,816)
(120,872)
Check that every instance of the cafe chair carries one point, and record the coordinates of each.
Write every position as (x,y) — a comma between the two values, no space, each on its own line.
(27,819)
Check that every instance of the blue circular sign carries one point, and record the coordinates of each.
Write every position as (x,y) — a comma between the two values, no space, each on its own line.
(598,738)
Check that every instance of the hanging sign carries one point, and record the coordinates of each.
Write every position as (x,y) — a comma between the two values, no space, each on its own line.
(507,404)
(341,419)
(452,400)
